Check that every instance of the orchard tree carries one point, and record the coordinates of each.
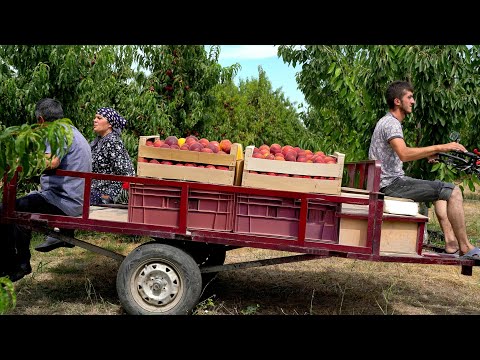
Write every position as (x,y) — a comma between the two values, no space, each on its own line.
(254,114)
(179,86)
(158,89)
(345,87)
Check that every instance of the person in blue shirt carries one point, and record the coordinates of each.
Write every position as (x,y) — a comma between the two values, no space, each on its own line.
(58,195)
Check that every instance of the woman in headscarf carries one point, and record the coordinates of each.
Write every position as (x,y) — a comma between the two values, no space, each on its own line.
(109,156)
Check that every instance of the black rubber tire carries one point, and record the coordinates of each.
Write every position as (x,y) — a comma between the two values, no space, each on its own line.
(158,279)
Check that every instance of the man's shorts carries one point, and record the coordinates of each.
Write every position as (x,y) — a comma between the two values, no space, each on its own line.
(419,190)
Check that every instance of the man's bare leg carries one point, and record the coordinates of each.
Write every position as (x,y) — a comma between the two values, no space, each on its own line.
(451,243)
(456,216)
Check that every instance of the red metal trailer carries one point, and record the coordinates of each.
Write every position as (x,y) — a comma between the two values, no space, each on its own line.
(193,225)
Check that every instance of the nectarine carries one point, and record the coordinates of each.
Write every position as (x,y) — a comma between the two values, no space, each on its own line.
(225,145)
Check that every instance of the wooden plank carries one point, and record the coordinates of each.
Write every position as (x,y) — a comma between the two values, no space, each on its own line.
(105,213)
(186,173)
(359,193)
(355,209)
(291,183)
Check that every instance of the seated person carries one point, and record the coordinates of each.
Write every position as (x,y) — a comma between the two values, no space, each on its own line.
(109,156)
(58,195)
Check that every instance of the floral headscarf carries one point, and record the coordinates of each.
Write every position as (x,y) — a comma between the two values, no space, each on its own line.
(117,121)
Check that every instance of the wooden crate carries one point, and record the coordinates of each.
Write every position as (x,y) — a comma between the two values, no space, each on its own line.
(397,236)
(332,186)
(234,162)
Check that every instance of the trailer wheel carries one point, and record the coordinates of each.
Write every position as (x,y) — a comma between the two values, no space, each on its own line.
(158,279)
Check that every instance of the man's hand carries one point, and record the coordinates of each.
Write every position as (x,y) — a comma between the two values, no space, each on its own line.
(52,162)
(453,146)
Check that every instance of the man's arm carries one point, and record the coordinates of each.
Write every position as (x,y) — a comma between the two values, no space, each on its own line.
(406,153)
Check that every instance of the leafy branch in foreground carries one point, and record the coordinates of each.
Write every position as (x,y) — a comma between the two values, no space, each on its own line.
(8,298)
(24,146)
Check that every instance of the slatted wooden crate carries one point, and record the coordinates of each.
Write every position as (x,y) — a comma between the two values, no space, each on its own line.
(323,186)
(232,176)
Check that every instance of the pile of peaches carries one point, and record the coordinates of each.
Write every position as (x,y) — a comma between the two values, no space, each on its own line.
(190,143)
(290,153)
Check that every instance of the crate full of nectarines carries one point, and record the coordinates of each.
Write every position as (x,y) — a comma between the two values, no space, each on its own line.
(291,168)
(190,159)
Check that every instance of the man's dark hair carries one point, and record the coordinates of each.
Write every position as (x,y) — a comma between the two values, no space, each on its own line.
(396,90)
(49,109)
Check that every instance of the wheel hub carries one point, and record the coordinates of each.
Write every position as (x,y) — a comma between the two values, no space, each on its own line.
(157,284)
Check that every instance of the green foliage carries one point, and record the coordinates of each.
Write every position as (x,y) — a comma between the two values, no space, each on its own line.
(345,86)
(25,146)
(8,298)
(253,114)
(160,89)
(182,90)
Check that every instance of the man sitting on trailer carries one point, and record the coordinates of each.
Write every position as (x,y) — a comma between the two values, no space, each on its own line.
(58,195)
(388,146)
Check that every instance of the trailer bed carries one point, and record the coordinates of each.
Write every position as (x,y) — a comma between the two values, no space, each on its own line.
(193,224)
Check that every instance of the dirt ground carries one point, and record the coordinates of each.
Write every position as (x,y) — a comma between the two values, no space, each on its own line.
(84,284)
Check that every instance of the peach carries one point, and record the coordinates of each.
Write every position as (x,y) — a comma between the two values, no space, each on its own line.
(264,146)
(225,145)
(265,152)
(213,147)
(191,138)
(216,143)
(204,142)
(149,143)
(291,156)
(196,146)
(275,148)
(171,140)
(286,148)
(158,143)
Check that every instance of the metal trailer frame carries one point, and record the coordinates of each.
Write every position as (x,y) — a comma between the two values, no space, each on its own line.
(200,243)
